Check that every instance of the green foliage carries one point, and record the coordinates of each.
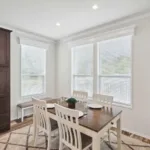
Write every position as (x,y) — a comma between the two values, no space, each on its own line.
(71,100)
(120,65)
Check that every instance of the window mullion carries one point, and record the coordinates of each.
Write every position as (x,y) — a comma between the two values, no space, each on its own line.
(98,69)
(95,68)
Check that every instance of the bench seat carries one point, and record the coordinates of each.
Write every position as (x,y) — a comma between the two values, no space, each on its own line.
(29,104)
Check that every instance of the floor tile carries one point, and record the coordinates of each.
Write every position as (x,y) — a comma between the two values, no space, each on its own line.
(19,139)
(4,138)
(15,147)
(2,146)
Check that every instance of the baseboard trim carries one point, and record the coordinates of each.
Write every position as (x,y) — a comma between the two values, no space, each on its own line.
(19,119)
(134,135)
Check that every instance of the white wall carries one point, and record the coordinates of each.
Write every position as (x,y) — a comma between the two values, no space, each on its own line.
(137,119)
(15,71)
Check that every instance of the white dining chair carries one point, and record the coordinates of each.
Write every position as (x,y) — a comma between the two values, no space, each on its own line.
(80,95)
(69,134)
(42,122)
(106,101)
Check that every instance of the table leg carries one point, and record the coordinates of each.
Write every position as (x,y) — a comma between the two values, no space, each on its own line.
(34,125)
(96,143)
(119,133)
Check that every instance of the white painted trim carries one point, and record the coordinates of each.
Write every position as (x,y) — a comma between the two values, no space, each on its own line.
(107,26)
(100,36)
(84,33)
(21,32)
(123,105)
(136,133)
(31,42)
(129,31)
(71,84)
(45,47)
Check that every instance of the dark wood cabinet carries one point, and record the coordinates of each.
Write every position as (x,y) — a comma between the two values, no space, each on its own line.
(4,79)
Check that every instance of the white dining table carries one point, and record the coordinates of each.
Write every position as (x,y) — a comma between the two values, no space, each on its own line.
(96,123)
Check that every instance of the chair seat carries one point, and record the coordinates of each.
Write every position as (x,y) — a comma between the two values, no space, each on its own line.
(86,140)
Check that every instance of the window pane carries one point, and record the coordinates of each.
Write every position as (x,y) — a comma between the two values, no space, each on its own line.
(115,56)
(120,88)
(83,59)
(32,60)
(32,85)
(33,64)
(84,84)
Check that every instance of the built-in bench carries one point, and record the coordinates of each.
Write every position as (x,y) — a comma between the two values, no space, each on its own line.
(27,105)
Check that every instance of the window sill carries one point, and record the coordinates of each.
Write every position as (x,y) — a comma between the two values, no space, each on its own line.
(116,104)
(122,105)
(29,97)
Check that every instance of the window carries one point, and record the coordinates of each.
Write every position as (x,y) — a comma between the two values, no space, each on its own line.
(104,67)
(83,68)
(33,70)
(115,68)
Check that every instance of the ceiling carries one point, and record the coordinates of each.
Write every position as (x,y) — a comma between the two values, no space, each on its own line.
(41,16)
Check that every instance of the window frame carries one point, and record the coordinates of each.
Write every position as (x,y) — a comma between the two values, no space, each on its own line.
(129,31)
(45,77)
(119,76)
(72,71)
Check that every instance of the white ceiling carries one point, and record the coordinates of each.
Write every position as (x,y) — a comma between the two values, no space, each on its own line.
(40,16)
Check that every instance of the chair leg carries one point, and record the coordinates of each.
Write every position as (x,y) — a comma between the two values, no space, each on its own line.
(34,133)
(36,136)
(34,125)
(49,142)
(109,140)
(60,145)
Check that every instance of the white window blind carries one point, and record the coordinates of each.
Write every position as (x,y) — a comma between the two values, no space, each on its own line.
(105,67)
(115,68)
(82,65)
(33,70)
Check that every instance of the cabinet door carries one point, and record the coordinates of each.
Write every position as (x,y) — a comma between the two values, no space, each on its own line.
(4,48)
(4,80)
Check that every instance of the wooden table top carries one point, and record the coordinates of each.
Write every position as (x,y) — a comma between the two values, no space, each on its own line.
(95,119)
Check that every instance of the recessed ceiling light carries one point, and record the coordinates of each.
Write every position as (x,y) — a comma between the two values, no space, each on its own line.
(58,24)
(95,6)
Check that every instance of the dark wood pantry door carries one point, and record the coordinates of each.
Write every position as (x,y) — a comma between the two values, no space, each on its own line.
(4,80)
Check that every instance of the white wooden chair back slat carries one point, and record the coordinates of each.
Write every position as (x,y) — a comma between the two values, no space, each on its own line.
(105,100)
(80,95)
(68,127)
(40,114)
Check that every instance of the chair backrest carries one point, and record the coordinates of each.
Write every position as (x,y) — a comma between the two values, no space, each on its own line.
(105,100)
(40,115)
(68,127)
(80,95)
